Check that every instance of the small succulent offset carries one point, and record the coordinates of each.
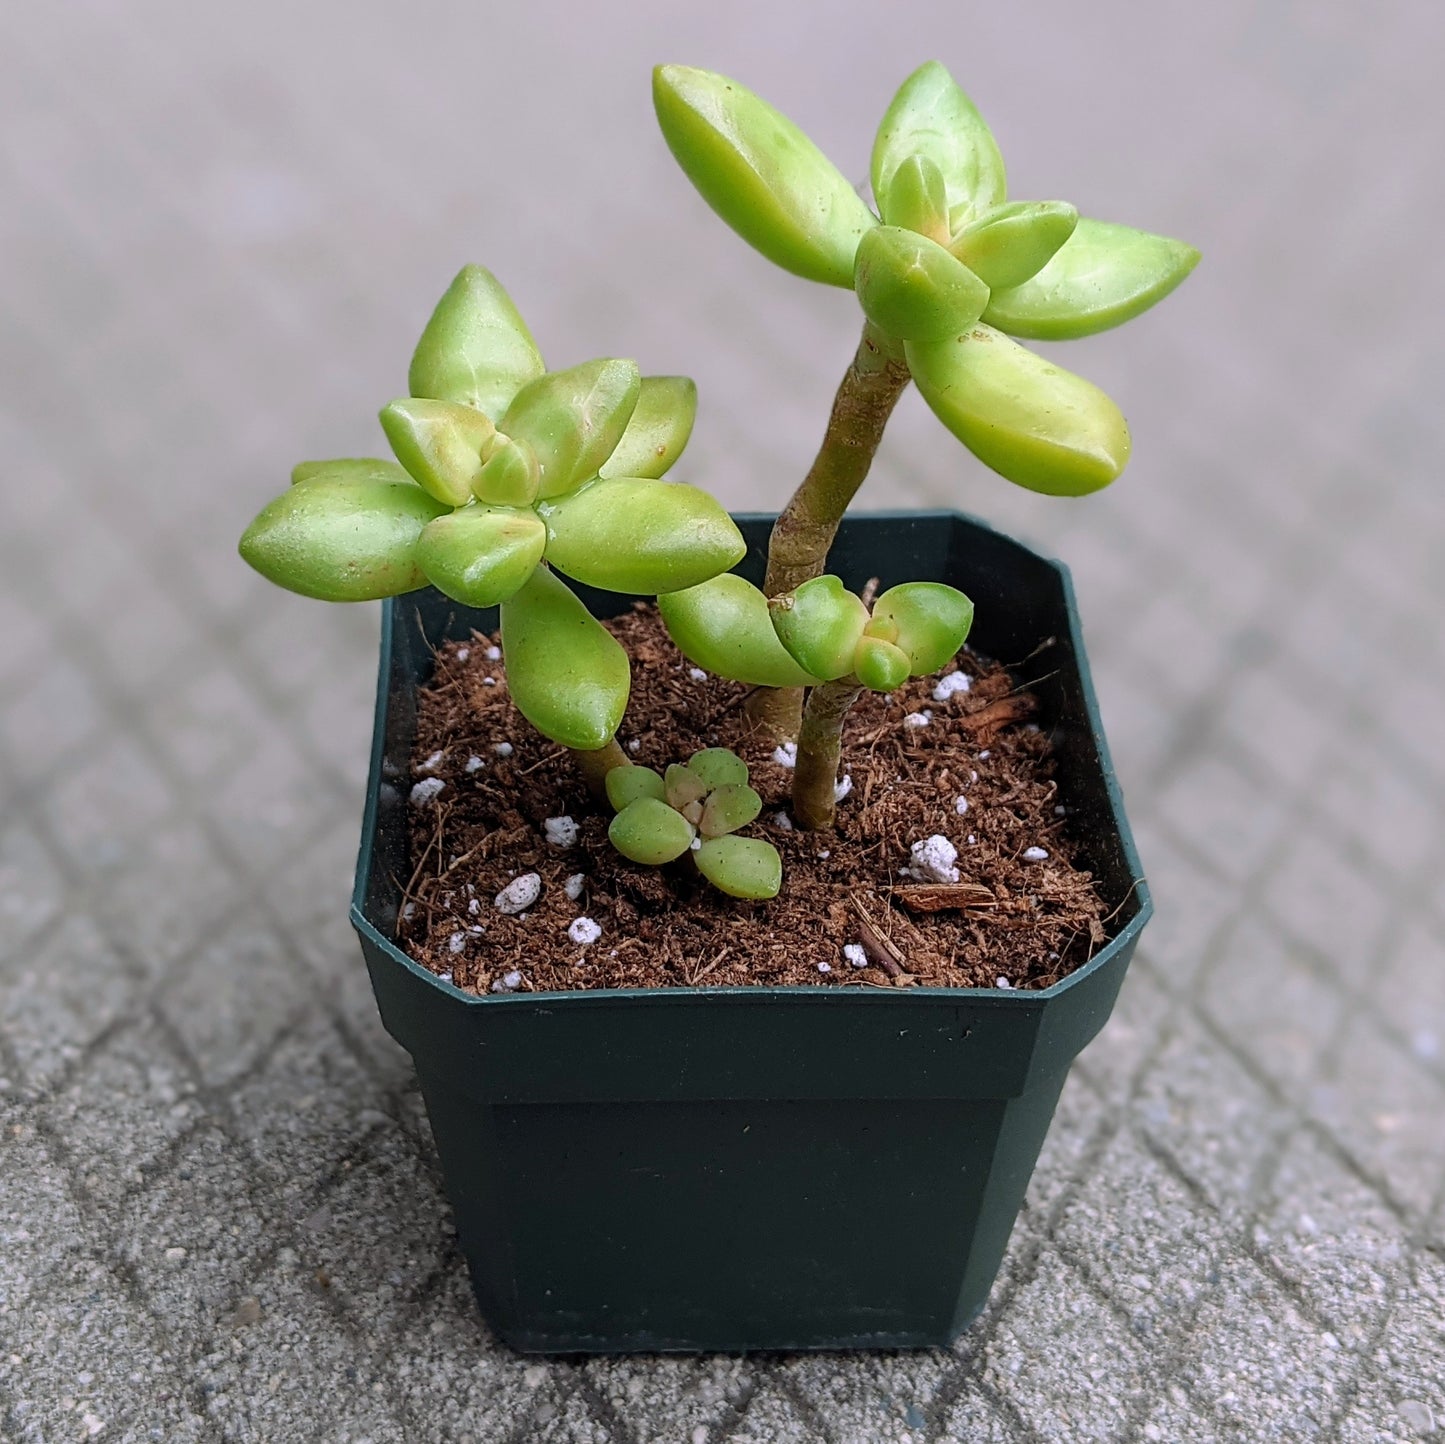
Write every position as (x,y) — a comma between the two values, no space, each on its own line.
(695,809)
(824,637)
(509,474)
(946,273)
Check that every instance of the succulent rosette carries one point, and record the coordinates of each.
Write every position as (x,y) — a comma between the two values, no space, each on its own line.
(947,271)
(507,474)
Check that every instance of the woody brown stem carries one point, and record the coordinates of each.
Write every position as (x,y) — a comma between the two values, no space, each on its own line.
(804,530)
(594,766)
(820,745)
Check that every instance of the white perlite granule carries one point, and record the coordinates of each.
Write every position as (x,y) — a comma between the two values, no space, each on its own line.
(842,788)
(502,749)
(475,764)
(825,967)
(494,654)
(508,982)
(635,745)
(947,686)
(918,719)
(426,790)
(855,954)
(1035,854)
(786,755)
(433,762)
(960,805)
(519,894)
(934,859)
(574,885)
(463,653)
(697,674)
(561,831)
(1004,984)
(456,942)
(782,820)
(584,931)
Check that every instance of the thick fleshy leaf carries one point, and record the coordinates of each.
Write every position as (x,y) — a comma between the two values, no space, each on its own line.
(573,420)
(658,431)
(476,350)
(725,628)
(880,665)
(1040,426)
(819,624)
(349,468)
(729,807)
(439,443)
(510,475)
(912,288)
(632,535)
(761,174)
(342,541)
(1102,276)
(741,866)
(917,199)
(718,767)
(650,832)
(1014,241)
(931,117)
(567,673)
(481,555)
(930,622)
(626,784)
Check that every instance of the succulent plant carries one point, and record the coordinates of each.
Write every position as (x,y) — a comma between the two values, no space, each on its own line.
(507,474)
(947,271)
(695,809)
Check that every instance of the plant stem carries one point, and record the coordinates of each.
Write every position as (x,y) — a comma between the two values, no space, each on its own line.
(820,745)
(594,766)
(804,530)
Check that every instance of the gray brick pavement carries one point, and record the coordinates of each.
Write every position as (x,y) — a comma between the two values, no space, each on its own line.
(219,228)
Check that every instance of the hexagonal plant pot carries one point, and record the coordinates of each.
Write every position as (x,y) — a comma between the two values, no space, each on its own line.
(753,1168)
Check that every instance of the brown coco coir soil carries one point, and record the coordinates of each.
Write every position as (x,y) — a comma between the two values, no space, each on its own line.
(1013,916)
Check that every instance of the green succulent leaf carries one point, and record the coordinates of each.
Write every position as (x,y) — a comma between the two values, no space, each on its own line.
(626,784)
(743,867)
(718,767)
(819,624)
(476,350)
(724,627)
(929,622)
(1102,276)
(650,832)
(1031,421)
(912,288)
(880,665)
(631,535)
(761,174)
(349,468)
(567,673)
(573,419)
(729,807)
(341,540)
(931,117)
(481,555)
(440,444)
(683,786)
(917,199)
(510,475)
(1012,242)
(658,431)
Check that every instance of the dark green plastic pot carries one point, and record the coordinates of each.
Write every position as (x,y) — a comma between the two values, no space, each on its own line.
(753,1168)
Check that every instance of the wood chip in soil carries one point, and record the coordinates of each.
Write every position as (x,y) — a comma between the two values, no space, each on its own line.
(1025,922)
